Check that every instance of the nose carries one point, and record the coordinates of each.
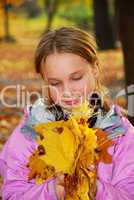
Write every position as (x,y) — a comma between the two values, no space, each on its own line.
(66,94)
(67,90)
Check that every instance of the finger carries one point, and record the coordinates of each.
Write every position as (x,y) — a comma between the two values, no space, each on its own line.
(31,174)
(60,191)
(61,178)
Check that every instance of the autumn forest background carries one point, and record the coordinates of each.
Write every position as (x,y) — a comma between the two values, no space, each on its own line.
(21,25)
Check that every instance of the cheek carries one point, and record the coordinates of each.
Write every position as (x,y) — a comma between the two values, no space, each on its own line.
(85,86)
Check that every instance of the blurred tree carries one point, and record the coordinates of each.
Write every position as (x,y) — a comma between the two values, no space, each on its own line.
(105,32)
(6,5)
(51,7)
(32,8)
(125,17)
(79,13)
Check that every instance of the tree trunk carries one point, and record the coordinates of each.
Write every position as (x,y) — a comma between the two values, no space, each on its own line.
(50,8)
(125,17)
(32,9)
(105,33)
(7,37)
(6,20)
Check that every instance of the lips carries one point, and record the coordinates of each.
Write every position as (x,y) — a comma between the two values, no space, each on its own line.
(72,102)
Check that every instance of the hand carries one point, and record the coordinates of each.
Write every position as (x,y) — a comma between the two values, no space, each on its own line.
(59,187)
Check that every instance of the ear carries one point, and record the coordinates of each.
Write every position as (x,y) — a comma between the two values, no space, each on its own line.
(95,69)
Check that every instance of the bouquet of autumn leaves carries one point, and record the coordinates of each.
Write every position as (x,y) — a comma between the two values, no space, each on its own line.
(72,148)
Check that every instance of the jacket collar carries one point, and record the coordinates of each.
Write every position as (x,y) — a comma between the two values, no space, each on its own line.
(111,122)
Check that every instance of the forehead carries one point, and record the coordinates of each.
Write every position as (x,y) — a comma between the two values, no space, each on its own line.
(58,65)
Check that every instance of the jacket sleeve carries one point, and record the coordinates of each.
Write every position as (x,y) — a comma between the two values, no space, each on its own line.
(116,181)
(13,160)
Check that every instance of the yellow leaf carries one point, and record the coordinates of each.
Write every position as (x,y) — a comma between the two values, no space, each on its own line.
(59,147)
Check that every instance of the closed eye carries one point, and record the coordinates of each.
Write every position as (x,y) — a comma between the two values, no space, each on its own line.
(77,78)
(54,84)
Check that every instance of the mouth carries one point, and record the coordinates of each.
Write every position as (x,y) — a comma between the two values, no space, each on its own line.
(72,102)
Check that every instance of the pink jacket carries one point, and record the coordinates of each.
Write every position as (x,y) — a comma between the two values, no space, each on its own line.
(115,180)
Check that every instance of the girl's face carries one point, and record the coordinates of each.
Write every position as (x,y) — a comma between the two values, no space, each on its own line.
(71,78)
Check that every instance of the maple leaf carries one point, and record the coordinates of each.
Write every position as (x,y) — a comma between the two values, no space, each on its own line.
(103,144)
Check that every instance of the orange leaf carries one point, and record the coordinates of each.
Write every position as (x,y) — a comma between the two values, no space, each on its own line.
(103,144)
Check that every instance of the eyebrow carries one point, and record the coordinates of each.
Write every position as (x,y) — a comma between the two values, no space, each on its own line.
(69,75)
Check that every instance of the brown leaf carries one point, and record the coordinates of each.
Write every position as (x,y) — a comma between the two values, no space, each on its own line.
(103,144)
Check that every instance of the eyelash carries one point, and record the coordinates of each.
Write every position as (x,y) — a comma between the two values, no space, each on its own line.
(54,84)
(75,79)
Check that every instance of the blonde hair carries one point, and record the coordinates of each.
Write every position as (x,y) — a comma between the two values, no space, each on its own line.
(68,40)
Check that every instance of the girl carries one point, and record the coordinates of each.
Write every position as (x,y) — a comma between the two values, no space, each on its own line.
(67,60)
